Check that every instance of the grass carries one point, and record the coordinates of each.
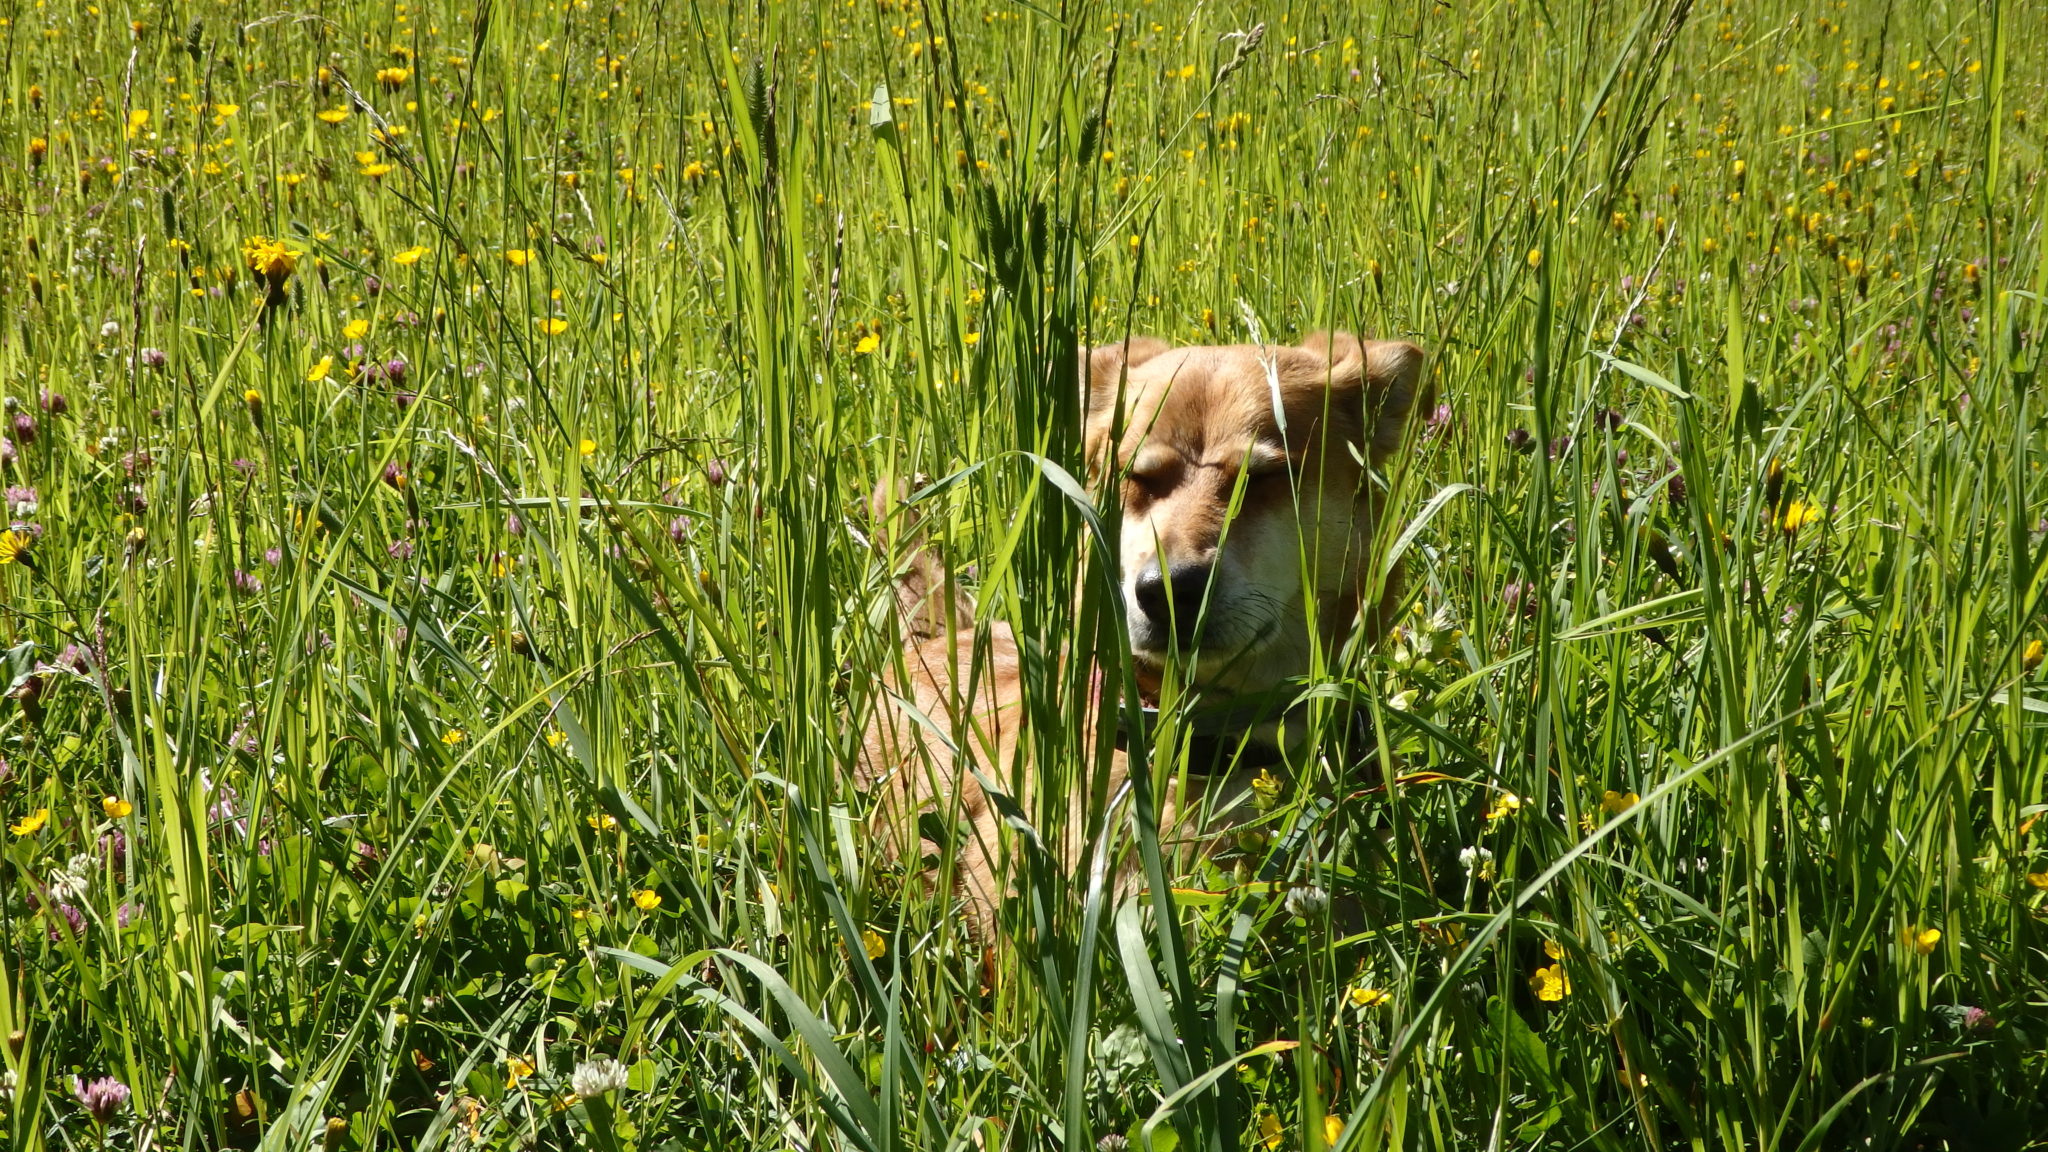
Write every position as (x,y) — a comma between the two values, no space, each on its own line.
(437,647)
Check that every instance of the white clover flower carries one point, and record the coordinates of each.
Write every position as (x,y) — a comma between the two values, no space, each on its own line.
(1307,901)
(594,1078)
(1478,862)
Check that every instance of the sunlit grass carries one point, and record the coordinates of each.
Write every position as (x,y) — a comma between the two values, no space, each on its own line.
(441,608)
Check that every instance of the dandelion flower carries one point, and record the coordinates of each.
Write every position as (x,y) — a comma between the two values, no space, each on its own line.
(31,824)
(1798,514)
(376,171)
(332,115)
(14,546)
(410,256)
(646,899)
(274,260)
(115,807)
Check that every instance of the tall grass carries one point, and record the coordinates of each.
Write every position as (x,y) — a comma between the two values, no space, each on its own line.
(442,654)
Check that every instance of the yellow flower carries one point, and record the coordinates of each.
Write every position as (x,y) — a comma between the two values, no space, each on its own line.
(603,822)
(226,110)
(319,371)
(274,260)
(1363,997)
(115,807)
(376,171)
(873,942)
(973,338)
(517,1068)
(393,77)
(1618,802)
(454,736)
(518,257)
(1923,940)
(1504,806)
(355,329)
(2038,880)
(1535,257)
(1550,984)
(868,343)
(647,899)
(586,447)
(693,172)
(1798,514)
(1270,1132)
(31,823)
(137,121)
(332,115)
(552,325)
(2032,657)
(1333,1129)
(556,737)
(13,545)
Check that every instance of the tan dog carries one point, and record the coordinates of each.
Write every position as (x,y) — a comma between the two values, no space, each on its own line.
(1249,518)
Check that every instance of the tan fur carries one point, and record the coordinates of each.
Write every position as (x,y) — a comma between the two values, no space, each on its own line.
(1172,428)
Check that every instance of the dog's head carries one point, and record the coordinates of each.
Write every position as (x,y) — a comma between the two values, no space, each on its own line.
(1248,507)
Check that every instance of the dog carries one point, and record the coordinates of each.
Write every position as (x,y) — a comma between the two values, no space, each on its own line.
(1250,513)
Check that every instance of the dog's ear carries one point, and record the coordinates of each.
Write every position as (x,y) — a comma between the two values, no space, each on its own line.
(1102,374)
(1385,374)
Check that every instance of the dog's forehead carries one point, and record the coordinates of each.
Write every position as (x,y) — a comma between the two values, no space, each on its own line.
(1206,399)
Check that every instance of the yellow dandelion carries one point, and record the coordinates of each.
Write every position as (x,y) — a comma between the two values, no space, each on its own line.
(519,257)
(376,171)
(868,343)
(14,546)
(693,172)
(115,807)
(646,899)
(319,371)
(552,325)
(30,824)
(1798,514)
(274,260)
(332,115)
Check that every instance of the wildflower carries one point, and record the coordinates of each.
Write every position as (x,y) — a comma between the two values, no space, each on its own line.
(1270,1132)
(1478,862)
(970,339)
(1923,940)
(153,358)
(274,260)
(1307,901)
(30,824)
(66,923)
(14,546)
(1364,997)
(2038,880)
(332,115)
(646,899)
(1265,790)
(517,1068)
(410,256)
(393,77)
(254,401)
(25,428)
(244,583)
(115,807)
(102,1097)
(868,343)
(320,370)
(873,944)
(1504,806)
(1520,440)
(1550,983)
(603,822)
(355,329)
(454,736)
(519,257)
(1798,514)
(714,473)
(394,475)
(1535,257)
(1618,802)
(586,447)
(693,172)
(377,171)
(599,1077)
(552,325)
(2031,659)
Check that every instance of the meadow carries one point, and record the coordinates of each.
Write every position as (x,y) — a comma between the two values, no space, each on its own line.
(441,605)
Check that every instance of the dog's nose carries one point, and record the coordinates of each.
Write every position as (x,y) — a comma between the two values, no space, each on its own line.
(1173,599)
